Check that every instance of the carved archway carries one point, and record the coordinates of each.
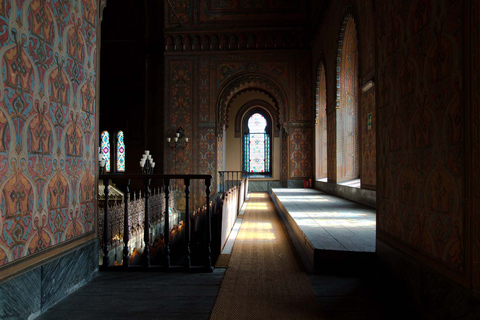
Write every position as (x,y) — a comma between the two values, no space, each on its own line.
(250,82)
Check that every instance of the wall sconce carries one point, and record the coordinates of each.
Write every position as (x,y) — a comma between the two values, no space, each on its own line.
(146,163)
(178,141)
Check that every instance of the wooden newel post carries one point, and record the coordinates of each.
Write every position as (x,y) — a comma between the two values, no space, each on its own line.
(166,232)
(126,228)
(188,262)
(208,261)
(106,247)
(146,230)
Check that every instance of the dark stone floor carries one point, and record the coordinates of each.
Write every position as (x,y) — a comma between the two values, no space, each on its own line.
(141,295)
(361,297)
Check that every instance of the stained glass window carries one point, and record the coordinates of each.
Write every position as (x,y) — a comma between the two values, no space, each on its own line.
(257,145)
(120,152)
(106,149)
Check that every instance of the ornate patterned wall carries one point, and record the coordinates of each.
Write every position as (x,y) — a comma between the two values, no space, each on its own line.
(421,141)
(199,89)
(47,125)
(235,12)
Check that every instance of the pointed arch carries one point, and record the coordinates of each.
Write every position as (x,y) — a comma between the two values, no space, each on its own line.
(321,123)
(347,102)
(247,82)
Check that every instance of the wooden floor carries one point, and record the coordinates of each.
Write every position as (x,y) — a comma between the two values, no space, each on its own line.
(264,278)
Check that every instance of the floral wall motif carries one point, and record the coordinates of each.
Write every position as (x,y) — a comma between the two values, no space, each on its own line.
(421,141)
(301,144)
(179,75)
(47,125)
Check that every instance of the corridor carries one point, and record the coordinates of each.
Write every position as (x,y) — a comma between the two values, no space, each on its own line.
(264,279)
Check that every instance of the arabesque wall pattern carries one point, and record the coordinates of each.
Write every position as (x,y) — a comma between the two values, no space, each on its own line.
(47,125)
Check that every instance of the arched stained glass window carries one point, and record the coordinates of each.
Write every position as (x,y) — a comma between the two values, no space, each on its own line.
(106,149)
(120,152)
(257,144)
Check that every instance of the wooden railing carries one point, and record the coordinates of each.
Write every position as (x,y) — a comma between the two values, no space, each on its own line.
(162,183)
(234,187)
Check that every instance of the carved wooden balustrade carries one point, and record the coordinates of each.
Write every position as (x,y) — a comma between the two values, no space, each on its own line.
(136,221)
(147,215)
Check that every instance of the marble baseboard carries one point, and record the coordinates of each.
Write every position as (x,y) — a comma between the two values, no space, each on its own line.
(21,296)
(33,292)
(434,295)
(363,196)
(263,186)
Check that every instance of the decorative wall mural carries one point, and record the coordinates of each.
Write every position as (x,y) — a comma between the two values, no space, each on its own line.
(301,146)
(47,124)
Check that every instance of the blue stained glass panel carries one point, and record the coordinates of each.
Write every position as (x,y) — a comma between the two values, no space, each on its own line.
(267,153)
(106,149)
(120,152)
(246,158)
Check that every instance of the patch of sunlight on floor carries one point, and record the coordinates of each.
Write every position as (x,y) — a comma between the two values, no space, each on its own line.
(258,225)
(257,231)
(257,206)
(257,195)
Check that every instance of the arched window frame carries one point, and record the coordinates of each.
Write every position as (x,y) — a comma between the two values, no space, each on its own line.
(120,165)
(105,147)
(268,132)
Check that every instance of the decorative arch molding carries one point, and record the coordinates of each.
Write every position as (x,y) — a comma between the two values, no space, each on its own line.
(251,82)
(347,99)
(251,104)
(321,132)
